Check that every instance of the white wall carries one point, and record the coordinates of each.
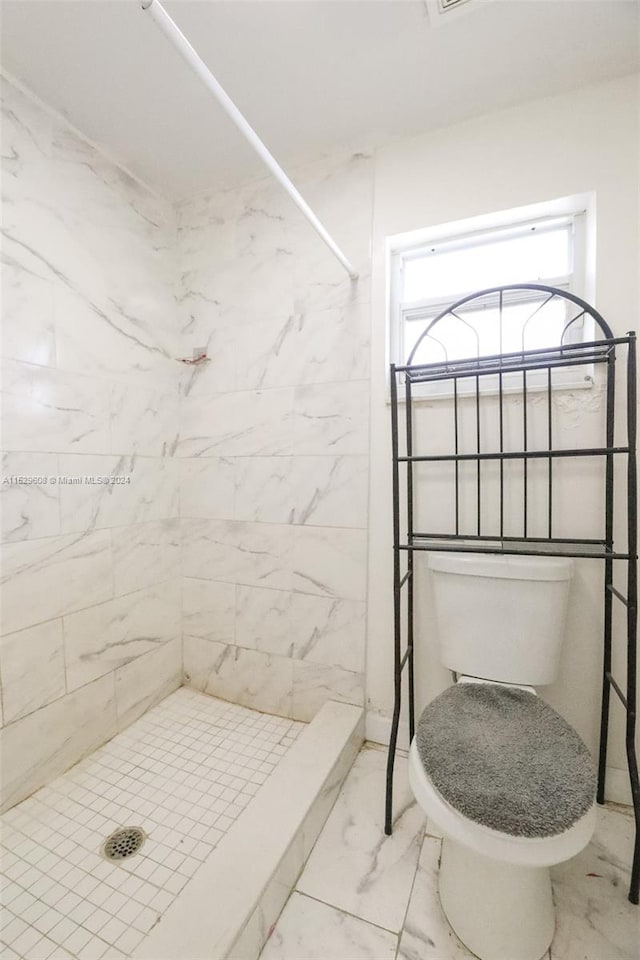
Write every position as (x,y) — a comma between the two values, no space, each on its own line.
(576,143)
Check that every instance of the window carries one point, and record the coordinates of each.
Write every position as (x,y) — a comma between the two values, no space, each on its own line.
(429,276)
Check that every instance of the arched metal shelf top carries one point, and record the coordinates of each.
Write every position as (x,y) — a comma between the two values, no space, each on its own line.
(585,309)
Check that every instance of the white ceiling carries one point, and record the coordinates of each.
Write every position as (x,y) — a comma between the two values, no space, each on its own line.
(310,75)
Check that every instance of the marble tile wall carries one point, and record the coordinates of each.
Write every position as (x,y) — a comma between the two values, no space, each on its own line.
(91,572)
(241,485)
(273,441)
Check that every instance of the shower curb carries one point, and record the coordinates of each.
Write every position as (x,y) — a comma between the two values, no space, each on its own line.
(228,909)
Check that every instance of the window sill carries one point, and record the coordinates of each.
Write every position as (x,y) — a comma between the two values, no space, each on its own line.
(427,393)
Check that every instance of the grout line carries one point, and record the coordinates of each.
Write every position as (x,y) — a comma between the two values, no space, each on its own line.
(93,606)
(413,883)
(87,531)
(347,913)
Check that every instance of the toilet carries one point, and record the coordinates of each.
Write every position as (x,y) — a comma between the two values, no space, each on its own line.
(508,782)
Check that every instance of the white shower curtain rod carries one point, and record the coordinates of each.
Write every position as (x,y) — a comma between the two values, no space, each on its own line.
(180,42)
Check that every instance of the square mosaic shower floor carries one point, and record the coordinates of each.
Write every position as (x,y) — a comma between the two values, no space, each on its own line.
(183,773)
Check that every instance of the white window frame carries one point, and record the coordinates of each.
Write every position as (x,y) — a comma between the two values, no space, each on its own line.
(575,210)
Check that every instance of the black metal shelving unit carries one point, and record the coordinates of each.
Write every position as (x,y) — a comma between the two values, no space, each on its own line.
(465,379)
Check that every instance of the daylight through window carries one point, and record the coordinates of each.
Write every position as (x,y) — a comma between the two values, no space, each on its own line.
(428,278)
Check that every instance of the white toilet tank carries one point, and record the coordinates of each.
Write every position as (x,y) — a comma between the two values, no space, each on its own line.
(501,617)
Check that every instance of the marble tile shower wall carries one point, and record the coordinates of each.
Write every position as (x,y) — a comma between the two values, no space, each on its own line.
(233,528)
(91,631)
(273,445)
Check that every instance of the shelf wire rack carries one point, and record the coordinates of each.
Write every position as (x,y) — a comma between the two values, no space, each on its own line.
(480,464)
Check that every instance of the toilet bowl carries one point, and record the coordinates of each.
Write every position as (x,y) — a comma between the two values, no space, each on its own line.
(519,851)
(495,888)
(495,885)
(506,779)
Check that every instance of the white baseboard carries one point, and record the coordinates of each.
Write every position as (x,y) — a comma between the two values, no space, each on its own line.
(378,730)
(617,786)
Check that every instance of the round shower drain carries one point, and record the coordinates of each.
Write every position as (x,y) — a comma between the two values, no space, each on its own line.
(123,843)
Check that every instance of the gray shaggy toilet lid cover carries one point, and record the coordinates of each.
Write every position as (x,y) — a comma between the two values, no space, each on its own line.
(506,759)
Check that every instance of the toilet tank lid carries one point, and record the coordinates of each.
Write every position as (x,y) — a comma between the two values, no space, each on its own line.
(502,567)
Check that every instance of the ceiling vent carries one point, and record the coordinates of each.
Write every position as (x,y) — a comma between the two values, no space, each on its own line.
(444,11)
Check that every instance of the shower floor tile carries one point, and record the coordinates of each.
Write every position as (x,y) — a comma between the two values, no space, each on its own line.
(183,773)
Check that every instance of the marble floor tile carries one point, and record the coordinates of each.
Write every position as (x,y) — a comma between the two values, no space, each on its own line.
(357,875)
(354,866)
(594,919)
(426,935)
(314,931)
